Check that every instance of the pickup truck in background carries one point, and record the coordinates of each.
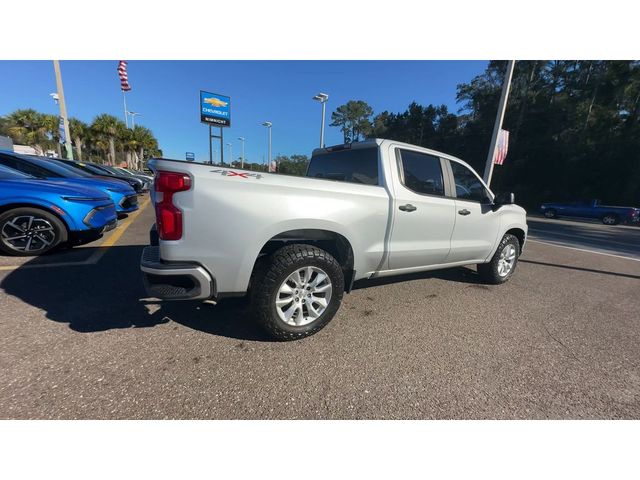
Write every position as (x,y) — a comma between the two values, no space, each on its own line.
(608,215)
(296,244)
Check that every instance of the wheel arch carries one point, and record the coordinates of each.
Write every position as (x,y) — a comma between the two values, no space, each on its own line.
(334,243)
(520,234)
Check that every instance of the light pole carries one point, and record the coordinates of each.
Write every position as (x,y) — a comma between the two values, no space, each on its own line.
(133,118)
(268,125)
(63,109)
(242,159)
(230,153)
(322,98)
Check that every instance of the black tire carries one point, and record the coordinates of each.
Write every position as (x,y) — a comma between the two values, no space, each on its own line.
(610,219)
(489,272)
(47,232)
(551,213)
(273,272)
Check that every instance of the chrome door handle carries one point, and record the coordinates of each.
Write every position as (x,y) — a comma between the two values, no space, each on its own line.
(464,211)
(408,208)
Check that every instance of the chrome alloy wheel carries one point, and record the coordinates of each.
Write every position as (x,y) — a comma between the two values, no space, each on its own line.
(507,260)
(609,220)
(27,233)
(303,296)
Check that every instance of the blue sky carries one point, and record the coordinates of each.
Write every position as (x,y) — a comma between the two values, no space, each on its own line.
(166,93)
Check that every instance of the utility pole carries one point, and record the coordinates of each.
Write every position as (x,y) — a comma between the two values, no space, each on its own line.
(63,110)
(230,153)
(242,144)
(502,107)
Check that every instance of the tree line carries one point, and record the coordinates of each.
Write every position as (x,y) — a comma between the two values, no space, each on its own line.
(575,128)
(105,138)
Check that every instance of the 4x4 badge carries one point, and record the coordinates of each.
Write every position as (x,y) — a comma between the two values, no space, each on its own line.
(231,173)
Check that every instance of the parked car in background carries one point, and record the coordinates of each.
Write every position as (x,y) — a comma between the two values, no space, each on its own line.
(609,215)
(122,195)
(36,216)
(146,180)
(369,209)
(134,173)
(95,169)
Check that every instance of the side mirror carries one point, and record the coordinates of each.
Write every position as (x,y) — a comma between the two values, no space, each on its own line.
(504,199)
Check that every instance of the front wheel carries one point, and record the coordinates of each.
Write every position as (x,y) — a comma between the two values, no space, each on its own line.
(550,213)
(28,232)
(298,291)
(503,263)
(610,219)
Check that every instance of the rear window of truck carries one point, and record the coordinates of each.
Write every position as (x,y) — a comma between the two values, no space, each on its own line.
(358,165)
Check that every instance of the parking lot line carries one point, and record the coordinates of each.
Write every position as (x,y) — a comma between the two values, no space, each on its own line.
(584,250)
(101,249)
(115,236)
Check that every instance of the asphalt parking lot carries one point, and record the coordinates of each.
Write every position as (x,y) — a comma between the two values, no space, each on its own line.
(560,340)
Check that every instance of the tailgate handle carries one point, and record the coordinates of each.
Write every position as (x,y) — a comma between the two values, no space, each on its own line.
(408,208)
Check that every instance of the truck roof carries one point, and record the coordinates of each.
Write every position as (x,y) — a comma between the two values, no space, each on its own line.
(379,142)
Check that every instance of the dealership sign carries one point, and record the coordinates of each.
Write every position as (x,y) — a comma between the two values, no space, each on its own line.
(215,109)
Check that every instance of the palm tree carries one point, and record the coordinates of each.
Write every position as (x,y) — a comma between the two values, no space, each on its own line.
(144,141)
(106,127)
(27,127)
(79,134)
(51,124)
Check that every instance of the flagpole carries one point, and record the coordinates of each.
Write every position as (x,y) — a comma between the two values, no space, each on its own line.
(502,107)
(124,99)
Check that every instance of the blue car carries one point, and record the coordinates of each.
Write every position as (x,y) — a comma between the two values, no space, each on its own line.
(123,196)
(37,216)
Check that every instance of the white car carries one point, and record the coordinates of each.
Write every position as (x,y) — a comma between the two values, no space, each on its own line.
(296,244)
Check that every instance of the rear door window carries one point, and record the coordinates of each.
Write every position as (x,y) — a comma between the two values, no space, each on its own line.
(421,173)
(357,165)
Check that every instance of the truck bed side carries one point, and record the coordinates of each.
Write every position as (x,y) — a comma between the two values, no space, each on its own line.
(229,216)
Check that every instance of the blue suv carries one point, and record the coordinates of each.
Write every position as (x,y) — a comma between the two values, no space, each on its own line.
(123,196)
(37,216)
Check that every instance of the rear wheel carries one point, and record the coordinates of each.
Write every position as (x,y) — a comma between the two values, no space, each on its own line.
(610,219)
(28,232)
(503,263)
(297,292)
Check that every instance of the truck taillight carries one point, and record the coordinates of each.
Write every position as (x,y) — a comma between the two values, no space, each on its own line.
(168,216)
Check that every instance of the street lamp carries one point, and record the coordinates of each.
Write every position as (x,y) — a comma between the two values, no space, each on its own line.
(268,125)
(242,159)
(322,98)
(230,153)
(133,118)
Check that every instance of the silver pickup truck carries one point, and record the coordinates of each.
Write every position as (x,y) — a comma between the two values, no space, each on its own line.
(296,244)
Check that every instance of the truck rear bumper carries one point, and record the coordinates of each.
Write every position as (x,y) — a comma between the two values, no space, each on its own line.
(175,281)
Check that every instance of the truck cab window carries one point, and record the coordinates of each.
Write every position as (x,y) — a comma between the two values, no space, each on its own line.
(422,173)
(468,185)
(354,165)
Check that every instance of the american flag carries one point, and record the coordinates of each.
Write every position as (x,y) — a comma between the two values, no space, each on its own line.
(122,73)
(502,147)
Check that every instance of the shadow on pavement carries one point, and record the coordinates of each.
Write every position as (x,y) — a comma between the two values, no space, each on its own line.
(582,269)
(110,295)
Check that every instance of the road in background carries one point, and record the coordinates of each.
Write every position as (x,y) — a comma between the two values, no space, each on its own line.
(560,340)
(623,240)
